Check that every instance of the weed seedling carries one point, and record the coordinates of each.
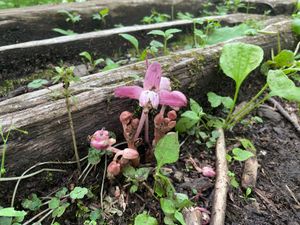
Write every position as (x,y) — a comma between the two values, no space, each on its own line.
(167,35)
(65,75)
(92,63)
(5,134)
(72,17)
(100,15)
(156,17)
(133,41)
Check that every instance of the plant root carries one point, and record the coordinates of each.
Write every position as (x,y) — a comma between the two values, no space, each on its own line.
(192,216)
(285,114)
(221,186)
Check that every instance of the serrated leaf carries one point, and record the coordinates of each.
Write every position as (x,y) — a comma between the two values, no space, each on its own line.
(238,60)
(145,219)
(78,193)
(241,155)
(54,203)
(33,203)
(167,150)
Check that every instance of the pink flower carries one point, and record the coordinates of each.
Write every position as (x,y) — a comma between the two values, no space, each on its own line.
(156,90)
(207,171)
(114,168)
(101,141)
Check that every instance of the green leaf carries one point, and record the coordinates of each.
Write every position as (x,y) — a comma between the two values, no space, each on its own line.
(132,40)
(184,124)
(86,55)
(11,212)
(282,86)
(191,115)
(133,188)
(284,58)
(167,206)
(239,59)
(247,144)
(58,212)
(54,203)
(61,193)
(104,12)
(195,107)
(94,156)
(95,215)
(142,174)
(241,155)
(157,32)
(214,99)
(129,172)
(33,203)
(168,220)
(35,84)
(296,26)
(98,61)
(167,150)
(179,217)
(78,193)
(182,200)
(110,64)
(172,31)
(145,219)
(248,191)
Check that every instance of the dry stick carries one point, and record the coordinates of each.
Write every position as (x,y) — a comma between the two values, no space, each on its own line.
(249,176)
(292,194)
(221,186)
(93,166)
(103,179)
(192,216)
(36,216)
(285,114)
(36,165)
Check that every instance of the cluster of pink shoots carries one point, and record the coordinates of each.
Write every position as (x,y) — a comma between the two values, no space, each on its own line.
(156,91)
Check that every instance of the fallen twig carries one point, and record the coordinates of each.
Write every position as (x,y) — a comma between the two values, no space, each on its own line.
(192,216)
(285,114)
(221,186)
(249,176)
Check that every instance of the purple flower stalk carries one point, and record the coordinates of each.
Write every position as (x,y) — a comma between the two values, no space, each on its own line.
(156,91)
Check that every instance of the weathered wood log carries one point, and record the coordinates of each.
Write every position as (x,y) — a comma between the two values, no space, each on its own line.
(19,60)
(45,118)
(275,6)
(37,22)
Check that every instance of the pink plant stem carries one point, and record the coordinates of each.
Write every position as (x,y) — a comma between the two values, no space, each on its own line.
(147,129)
(141,124)
(162,110)
(113,149)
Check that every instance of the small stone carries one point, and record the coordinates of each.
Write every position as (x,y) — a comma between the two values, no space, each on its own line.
(81,70)
(178,176)
(269,113)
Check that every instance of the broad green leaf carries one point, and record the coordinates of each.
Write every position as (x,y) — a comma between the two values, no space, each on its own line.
(167,149)
(239,59)
(156,44)
(216,100)
(241,155)
(179,217)
(296,26)
(142,174)
(227,33)
(131,39)
(33,203)
(284,58)
(35,84)
(6,220)
(98,61)
(78,193)
(64,32)
(157,32)
(247,144)
(182,200)
(129,171)
(145,219)
(172,31)
(195,107)
(167,206)
(185,16)
(184,124)
(94,156)
(282,86)
(191,115)
(86,55)
(110,64)
(95,215)
(11,212)
(168,220)
(54,203)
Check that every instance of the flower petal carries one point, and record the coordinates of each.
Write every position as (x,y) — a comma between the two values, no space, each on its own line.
(165,84)
(153,76)
(149,98)
(173,99)
(129,92)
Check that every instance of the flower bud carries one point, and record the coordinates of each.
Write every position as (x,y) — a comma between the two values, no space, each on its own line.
(129,153)
(172,115)
(101,141)
(125,117)
(114,168)
(207,171)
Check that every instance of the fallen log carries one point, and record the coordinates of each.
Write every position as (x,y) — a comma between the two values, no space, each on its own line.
(276,7)
(19,60)
(45,117)
(36,23)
